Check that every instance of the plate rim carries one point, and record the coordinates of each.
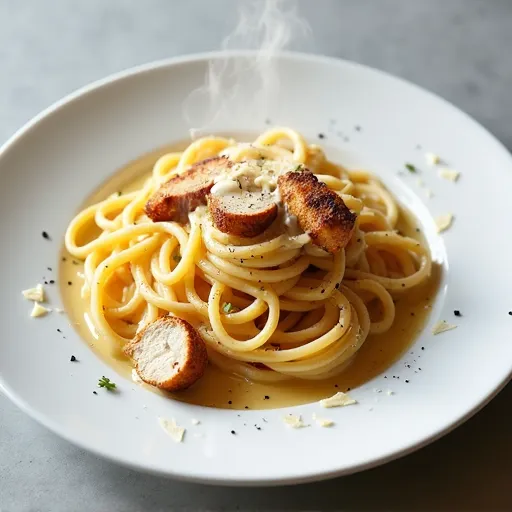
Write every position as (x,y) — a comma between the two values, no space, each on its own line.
(112,79)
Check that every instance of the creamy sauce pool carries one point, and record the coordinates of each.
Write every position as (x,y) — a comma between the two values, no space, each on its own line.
(219,389)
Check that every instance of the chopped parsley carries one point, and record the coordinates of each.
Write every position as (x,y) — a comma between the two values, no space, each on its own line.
(410,167)
(227,307)
(106,383)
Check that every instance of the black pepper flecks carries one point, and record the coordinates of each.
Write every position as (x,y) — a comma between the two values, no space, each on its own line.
(45,235)
(230,402)
(246,407)
(52,281)
(456,312)
(510,313)
(233,432)
(58,330)
(73,359)
(357,128)
(321,136)
(422,348)
(69,283)
(267,397)
(64,258)
(406,381)
(49,269)
(94,393)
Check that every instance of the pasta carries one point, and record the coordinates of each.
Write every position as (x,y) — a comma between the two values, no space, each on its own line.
(269,308)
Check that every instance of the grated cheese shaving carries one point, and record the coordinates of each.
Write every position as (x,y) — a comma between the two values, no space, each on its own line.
(323,422)
(174,431)
(449,174)
(294,421)
(39,310)
(442,326)
(443,222)
(432,159)
(36,294)
(338,400)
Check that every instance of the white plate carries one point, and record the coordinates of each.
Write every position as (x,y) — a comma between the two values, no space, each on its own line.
(54,162)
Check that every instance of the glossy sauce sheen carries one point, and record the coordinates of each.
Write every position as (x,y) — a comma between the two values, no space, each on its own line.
(219,389)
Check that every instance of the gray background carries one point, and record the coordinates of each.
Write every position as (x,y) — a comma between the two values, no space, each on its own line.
(459,49)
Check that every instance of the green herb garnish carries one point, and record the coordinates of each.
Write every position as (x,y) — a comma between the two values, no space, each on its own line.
(106,383)
(298,168)
(227,307)
(410,167)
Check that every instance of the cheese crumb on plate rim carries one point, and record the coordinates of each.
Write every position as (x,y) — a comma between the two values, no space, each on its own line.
(432,159)
(323,422)
(442,326)
(443,222)
(449,174)
(36,294)
(294,421)
(340,399)
(38,310)
(174,431)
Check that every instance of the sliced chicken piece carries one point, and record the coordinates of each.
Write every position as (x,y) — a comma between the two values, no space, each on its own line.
(320,211)
(185,192)
(245,214)
(169,354)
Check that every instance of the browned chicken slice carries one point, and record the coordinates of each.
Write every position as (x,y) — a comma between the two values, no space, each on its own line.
(169,354)
(320,211)
(246,214)
(185,192)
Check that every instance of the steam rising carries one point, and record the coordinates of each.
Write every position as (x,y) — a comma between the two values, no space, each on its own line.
(246,88)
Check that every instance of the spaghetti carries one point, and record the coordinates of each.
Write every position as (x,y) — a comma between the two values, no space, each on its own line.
(269,308)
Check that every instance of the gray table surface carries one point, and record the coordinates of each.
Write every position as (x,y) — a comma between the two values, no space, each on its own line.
(459,49)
